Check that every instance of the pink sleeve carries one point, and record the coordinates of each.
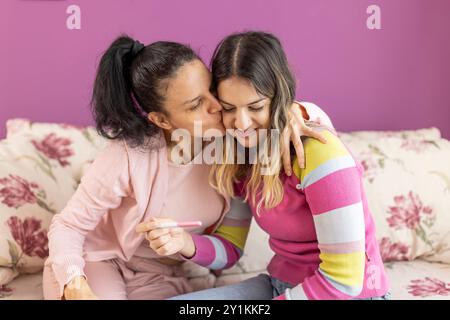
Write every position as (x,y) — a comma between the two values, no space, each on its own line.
(338,213)
(223,248)
(102,188)
(214,252)
(333,187)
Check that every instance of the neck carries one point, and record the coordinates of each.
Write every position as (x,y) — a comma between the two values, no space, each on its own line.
(186,156)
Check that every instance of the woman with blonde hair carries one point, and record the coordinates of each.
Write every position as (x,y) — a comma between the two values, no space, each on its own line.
(320,226)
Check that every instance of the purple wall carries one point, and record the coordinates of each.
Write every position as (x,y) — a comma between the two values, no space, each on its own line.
(394,78)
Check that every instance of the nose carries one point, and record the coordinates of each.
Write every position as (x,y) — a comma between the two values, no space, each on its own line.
(214,106)
(243,121)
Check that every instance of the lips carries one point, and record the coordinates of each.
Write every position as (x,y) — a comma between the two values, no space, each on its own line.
(244,134)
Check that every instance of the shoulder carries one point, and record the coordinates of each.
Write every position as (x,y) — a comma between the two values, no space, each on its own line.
(333,154)
(316,150)
(114,152)
(119,156)
(109,163)
(153,150)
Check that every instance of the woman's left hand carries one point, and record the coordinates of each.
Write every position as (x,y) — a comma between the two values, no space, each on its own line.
(293,132)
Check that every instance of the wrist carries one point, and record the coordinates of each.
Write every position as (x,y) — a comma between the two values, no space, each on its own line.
(75,283)
(188,250)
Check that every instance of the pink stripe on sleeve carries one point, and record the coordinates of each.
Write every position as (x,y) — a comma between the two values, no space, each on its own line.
(336,190)
(205,252)
(347,247)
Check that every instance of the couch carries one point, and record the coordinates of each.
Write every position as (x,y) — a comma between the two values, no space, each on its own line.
(406,176)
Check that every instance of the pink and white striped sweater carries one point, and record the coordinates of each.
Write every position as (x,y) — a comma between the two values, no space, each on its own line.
(322,232)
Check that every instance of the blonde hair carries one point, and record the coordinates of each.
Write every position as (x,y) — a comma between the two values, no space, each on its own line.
(259,58)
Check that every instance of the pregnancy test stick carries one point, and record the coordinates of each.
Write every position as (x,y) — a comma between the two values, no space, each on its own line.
(185,224)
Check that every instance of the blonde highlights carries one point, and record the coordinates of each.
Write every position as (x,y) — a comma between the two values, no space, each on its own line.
(259,58)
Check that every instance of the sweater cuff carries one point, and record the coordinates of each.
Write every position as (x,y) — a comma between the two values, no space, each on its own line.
(204,251)
(66,268)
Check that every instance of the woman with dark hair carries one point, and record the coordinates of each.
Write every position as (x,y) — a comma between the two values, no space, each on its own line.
(319,224)
(98,248)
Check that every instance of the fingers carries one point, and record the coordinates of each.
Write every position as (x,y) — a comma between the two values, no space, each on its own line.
(297,126)
(145,226)
(176,231)
(162,241)
(151,224)
(305,130)
(156,233)
(298,146)
(297,114)
(164,250)
(296,133)
(285,152)
(159,242)
(298,118)
(313,134)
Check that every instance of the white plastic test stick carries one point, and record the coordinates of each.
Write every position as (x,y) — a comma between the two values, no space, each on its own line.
(185,224)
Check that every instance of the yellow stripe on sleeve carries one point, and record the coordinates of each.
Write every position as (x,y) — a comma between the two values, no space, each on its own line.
(345,268)
(236,235)
(317,153)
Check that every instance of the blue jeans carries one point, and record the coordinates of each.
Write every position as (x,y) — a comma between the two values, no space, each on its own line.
(261,287)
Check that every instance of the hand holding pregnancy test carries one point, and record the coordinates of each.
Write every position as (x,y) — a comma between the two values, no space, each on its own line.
(167,237)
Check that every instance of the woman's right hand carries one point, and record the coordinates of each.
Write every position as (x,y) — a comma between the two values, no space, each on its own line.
(78,289)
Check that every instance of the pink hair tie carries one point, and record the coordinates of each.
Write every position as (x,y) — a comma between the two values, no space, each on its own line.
(138,107)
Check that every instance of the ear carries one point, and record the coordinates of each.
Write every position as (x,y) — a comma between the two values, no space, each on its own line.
(160,120)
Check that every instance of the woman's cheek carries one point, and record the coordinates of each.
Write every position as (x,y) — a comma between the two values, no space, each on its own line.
(227,121)
(264,119)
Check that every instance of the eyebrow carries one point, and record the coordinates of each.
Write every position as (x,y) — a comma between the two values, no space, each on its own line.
(247,104)
(192,100)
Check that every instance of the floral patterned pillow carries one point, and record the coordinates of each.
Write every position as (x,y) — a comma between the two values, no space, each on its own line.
(41,165)
(60,144)
(407,183)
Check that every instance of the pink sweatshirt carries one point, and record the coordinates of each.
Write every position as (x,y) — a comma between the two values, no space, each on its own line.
(123,187)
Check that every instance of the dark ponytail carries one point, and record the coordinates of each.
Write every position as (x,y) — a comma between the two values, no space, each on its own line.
(129,85)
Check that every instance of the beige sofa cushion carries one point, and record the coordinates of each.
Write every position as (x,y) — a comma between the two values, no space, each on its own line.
(407,183)
(41,165)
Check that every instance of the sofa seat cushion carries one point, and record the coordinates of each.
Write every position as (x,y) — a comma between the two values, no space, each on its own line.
(410,280)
